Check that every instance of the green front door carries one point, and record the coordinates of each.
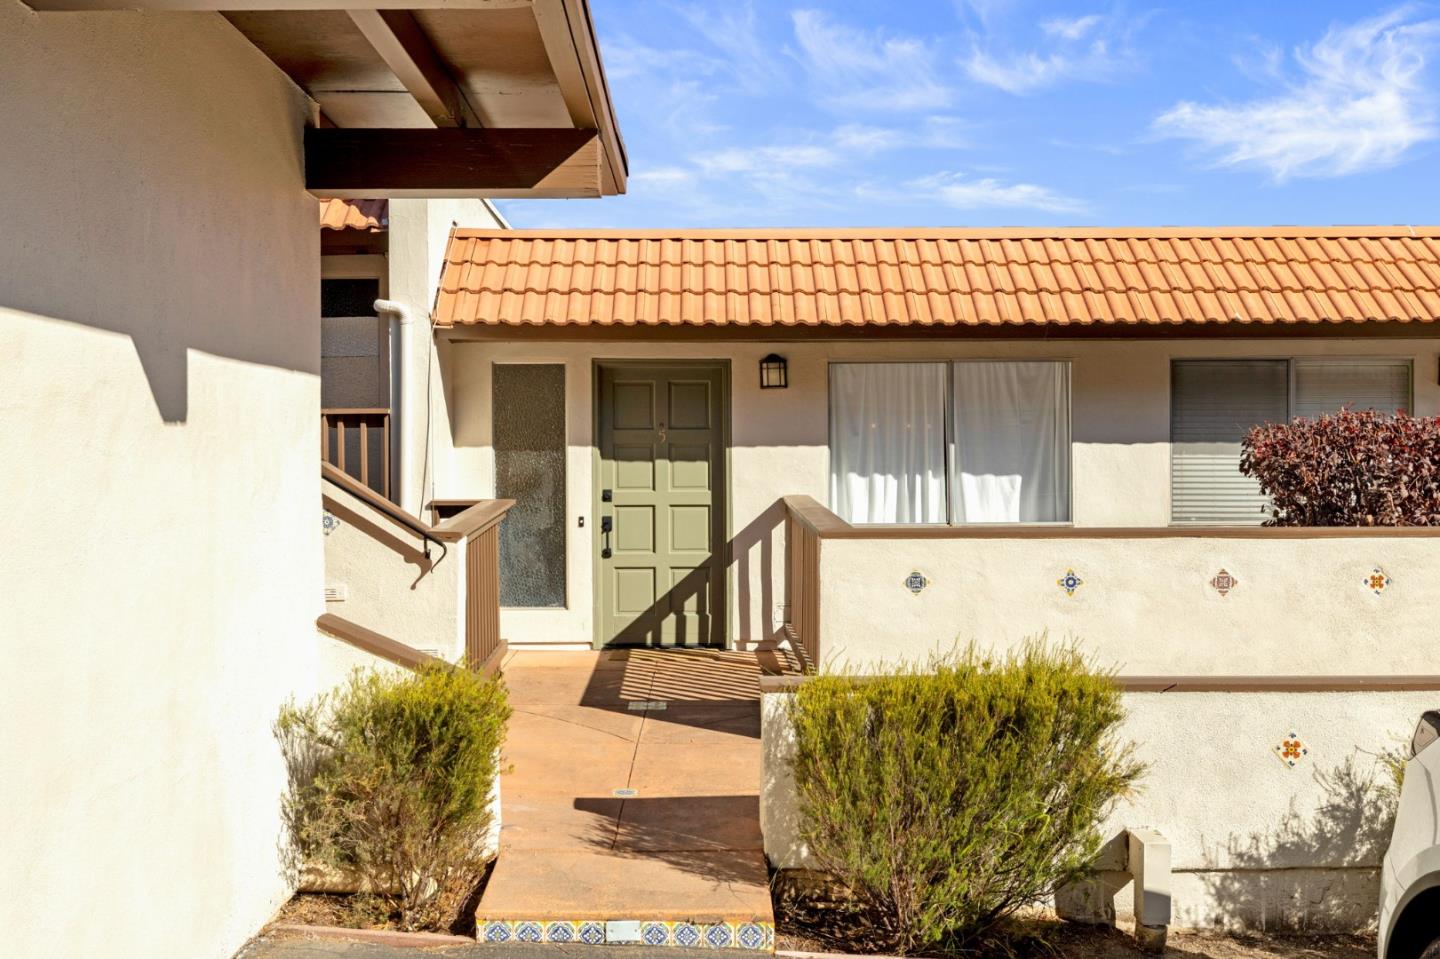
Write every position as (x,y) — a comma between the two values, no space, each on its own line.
(660,500)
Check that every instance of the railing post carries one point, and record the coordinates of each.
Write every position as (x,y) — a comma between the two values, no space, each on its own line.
(482,596)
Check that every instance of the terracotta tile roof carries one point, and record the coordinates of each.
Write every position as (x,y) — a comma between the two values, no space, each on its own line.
(369,215)
(940,278)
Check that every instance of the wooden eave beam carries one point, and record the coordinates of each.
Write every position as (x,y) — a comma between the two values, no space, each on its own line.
(223,6)
(569,41)
(406,50)
(454,162)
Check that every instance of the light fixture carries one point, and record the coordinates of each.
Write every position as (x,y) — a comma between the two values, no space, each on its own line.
(773,373)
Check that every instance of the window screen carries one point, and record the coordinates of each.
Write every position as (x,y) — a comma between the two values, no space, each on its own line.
(529,442)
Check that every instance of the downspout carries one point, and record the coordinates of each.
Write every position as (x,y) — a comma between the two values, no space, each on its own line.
(402,318)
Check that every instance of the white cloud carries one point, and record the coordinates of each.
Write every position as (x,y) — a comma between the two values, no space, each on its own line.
(764,159)
(1071,28)
(664,176)
(1360,103)
(1071,56)
(960,192)
(867,70)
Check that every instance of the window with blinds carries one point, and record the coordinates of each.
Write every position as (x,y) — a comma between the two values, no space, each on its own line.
(1213,403)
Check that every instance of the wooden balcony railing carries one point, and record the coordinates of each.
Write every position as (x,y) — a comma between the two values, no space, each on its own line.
(356,441)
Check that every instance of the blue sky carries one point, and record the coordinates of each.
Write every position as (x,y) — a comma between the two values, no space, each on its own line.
(991,112)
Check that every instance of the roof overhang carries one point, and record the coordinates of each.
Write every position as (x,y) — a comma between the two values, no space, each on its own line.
(482,98)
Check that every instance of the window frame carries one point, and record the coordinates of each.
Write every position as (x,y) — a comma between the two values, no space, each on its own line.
(949,436)
(1290,362)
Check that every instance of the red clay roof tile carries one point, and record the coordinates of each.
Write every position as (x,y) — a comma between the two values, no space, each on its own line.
(940,278)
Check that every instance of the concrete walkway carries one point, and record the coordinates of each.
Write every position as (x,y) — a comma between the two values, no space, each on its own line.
(632,796)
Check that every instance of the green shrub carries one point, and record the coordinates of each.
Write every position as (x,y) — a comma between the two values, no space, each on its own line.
(942,799)
(391,782)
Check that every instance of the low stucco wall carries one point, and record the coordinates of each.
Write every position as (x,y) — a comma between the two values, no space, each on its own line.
(1256,843)
(389,584)
(1120,409)
(162,564)
(1145,605)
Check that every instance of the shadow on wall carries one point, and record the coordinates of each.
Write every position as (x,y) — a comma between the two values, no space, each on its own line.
(1316,872)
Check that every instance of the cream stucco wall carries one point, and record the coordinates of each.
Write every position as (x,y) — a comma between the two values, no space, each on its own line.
(388,583)
(779,440)
(1145,606)
(419,233)
(1256,843)
(162,562)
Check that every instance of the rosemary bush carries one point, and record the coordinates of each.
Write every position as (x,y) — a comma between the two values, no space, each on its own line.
(944,798)
(391,779)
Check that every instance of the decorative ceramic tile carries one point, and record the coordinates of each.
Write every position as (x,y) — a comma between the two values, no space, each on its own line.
(1291,750)
(329,522)
(1223,582)
(916,581)
(1377,581)
(561,932)
(1069,582)
(756,936)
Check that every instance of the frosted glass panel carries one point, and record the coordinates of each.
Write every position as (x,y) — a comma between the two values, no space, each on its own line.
(529,440)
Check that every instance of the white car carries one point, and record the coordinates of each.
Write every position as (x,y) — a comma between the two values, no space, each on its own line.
(1410,876)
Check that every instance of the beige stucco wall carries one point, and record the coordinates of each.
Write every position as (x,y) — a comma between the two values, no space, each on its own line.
(419,233)
(1145,606)
(779,442)
(1255,842)
(161,569)
(388,584)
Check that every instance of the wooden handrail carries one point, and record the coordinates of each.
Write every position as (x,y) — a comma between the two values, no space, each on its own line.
(472,521)
(807,511)
(374,500)
(373,642)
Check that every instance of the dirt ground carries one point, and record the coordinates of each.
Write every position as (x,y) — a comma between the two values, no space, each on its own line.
(1057,940)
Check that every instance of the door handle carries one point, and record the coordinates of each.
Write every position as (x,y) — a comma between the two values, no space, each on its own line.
(606,524)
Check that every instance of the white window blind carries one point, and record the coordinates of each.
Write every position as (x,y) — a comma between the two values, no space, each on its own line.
(1215,402)
(887,442)
(1324,386)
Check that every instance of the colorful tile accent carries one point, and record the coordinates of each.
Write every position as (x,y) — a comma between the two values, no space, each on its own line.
(1070,582)
(1377,581)
(755,936)
(1291,750)
(916,582)
(329,522)
(1223,582)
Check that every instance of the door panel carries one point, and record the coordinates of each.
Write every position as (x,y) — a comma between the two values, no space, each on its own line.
(662,460)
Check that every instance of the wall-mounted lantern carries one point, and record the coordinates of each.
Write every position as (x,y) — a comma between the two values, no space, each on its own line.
(773,374)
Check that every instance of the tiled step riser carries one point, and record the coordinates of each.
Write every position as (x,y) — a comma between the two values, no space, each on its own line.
(747,936)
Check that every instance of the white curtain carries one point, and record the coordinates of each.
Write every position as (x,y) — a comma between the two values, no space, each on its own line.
(887,442)
(1012,442)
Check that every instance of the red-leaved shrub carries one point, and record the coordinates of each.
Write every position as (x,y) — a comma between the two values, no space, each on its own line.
(1352,468)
